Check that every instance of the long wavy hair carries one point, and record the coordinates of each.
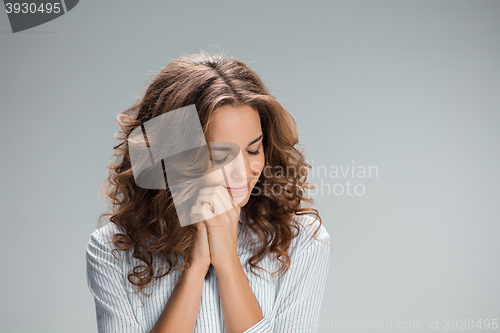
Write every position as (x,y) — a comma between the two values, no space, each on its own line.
(148,217)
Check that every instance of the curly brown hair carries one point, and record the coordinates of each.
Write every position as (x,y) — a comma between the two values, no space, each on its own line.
(148,217)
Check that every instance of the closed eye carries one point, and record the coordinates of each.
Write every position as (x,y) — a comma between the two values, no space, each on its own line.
(254,152)
(221,161)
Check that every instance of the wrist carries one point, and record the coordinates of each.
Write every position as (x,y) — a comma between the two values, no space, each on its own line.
(199,268)
(228,264)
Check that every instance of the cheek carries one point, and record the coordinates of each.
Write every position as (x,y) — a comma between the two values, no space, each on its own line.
(212,179)
(257,163)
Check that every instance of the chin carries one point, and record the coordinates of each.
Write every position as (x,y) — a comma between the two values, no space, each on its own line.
(243,203)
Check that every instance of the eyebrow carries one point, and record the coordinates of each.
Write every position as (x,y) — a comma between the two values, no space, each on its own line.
(227,148)
(254,141)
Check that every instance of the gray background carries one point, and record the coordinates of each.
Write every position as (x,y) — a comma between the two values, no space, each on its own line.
(409,87)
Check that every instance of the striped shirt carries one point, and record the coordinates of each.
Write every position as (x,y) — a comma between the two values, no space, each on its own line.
(290,304)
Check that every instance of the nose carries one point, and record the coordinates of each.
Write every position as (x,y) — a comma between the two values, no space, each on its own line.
(240,170)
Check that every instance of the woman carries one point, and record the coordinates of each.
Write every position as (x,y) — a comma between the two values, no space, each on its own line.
(203,277)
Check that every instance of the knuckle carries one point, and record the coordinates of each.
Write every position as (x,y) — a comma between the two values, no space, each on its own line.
(220,190)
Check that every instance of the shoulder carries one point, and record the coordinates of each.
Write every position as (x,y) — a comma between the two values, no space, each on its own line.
(101,238)
(307,238)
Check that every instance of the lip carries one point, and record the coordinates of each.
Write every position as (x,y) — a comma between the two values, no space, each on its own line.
(239,189)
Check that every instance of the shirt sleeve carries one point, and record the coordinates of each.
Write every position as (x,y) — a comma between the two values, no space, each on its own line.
(106,283)
(300,290)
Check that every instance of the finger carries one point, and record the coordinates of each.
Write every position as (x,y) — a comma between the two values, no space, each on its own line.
(234,213)
(201,227)
(196,213)
(212,189)
(192,210)
(207,195)
(202,210)
(208,190)
(228,199)
(204,198)
(214,199)
(229,213)
(222,201)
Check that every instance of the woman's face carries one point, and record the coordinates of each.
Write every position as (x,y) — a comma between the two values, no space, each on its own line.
(236,131)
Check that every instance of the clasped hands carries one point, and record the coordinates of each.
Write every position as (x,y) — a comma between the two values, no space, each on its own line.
(216,241)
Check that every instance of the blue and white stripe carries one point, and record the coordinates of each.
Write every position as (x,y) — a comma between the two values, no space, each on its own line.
(291,304)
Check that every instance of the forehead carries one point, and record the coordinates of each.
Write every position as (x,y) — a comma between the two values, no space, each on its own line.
(236,124)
